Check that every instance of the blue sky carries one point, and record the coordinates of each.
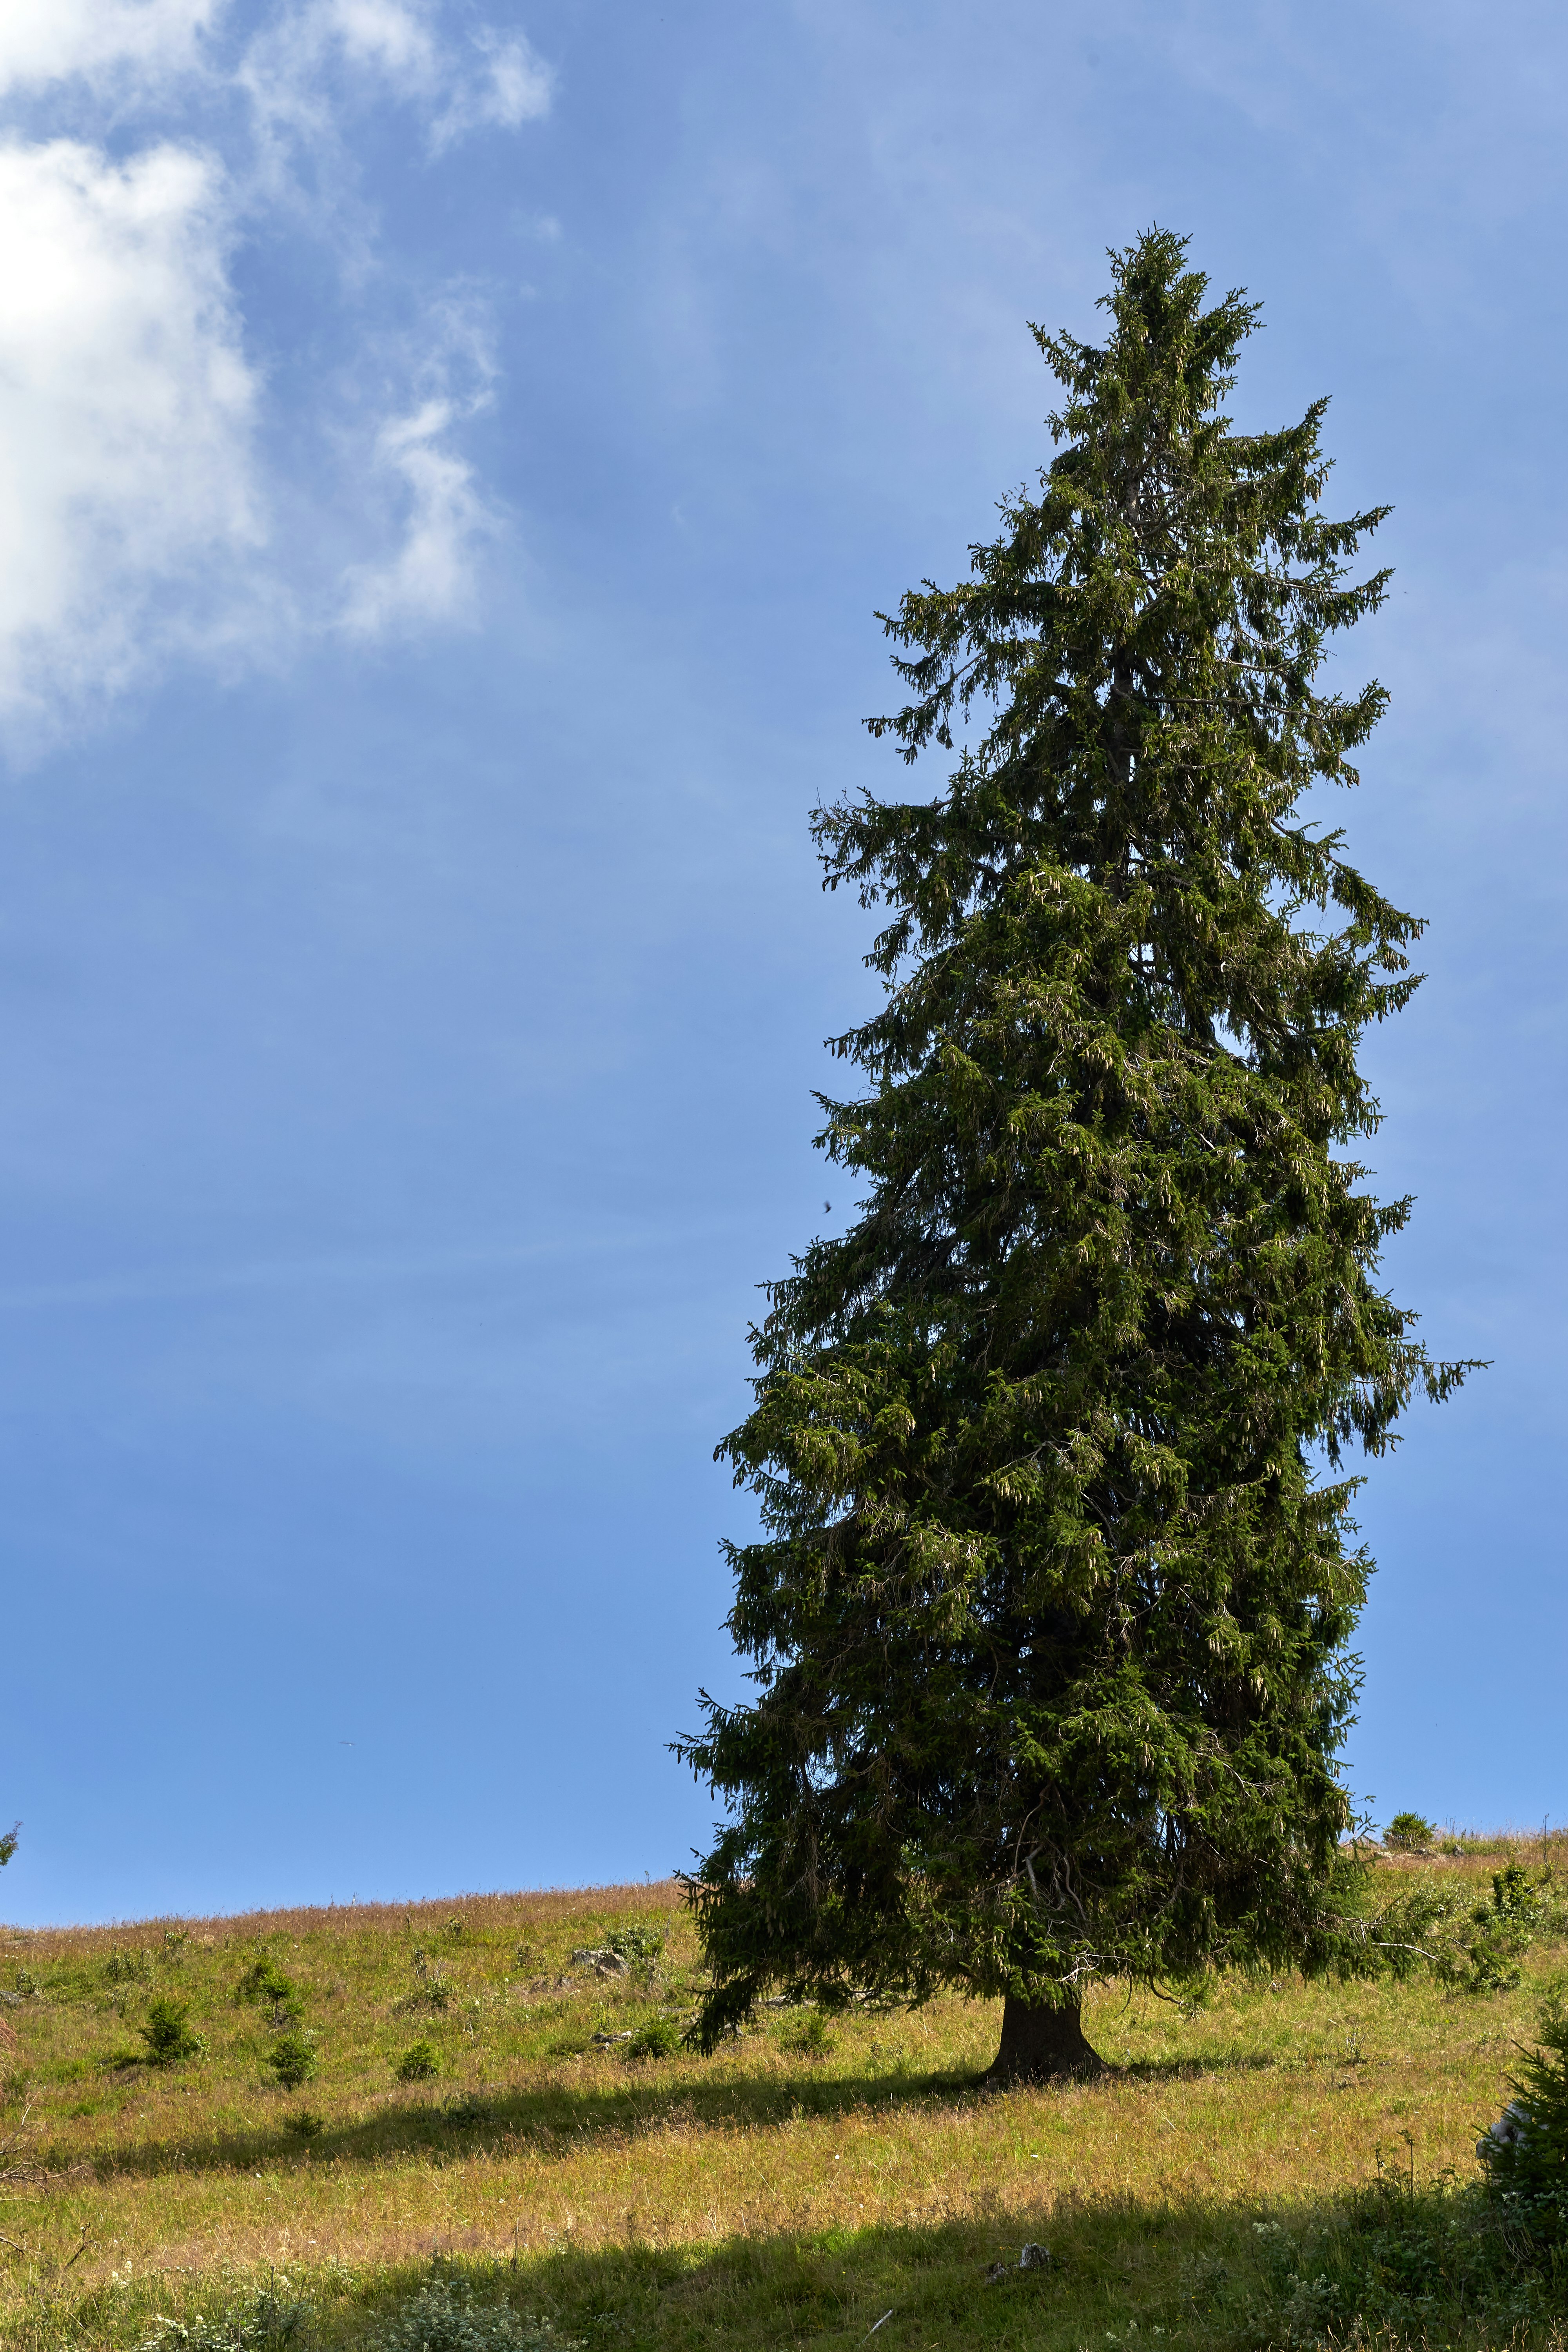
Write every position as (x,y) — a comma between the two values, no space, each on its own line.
(450,457)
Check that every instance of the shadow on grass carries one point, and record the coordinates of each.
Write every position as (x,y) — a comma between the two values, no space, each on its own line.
(542,2120)
(915,2287)
(1428,2264)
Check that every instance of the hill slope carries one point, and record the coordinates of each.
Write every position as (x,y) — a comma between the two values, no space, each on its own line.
(811,2178)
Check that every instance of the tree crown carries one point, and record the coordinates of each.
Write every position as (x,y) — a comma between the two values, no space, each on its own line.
(1049,1618)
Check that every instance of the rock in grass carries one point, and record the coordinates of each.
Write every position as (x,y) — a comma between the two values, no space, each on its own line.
(1510,2128)
(1033,2258)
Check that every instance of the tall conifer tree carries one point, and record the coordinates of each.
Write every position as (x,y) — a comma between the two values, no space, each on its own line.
(1049,1622)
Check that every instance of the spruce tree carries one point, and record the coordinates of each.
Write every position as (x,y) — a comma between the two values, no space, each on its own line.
(1049,1622)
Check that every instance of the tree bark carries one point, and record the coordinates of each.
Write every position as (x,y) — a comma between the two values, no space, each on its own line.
(1041,2044)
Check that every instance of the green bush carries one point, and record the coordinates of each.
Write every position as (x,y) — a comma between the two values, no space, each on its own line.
(444,2317)
(306,2123)
(807,2036)
(266,2324)
(168,2037)
(420,2063)
(1506,1927)
(1406,1830)
(1477,1947)
(658,2039)
(1395,2262)
(127,1967)
(292,2061)
(264,1981)
(468,2108)
(636,1943)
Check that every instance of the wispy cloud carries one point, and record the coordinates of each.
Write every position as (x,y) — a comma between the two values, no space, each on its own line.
(134,490)
(429,574)
(312,64)
(509,87)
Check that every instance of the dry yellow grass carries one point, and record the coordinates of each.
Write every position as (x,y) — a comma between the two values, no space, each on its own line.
(146,2181)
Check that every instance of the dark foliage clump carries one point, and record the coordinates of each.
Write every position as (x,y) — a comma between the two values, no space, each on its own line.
(1525,2154)
(292,2060)
(168,2034)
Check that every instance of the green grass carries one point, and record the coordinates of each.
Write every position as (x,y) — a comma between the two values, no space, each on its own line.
(789,2192)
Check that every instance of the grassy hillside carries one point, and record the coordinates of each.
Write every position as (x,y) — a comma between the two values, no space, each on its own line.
(792,2190)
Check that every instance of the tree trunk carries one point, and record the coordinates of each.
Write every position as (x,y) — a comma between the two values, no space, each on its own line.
(1041,2044)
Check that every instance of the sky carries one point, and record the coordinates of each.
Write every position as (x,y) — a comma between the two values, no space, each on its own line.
(451,458)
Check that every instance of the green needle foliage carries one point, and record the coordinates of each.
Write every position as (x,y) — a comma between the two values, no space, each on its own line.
(1526,2156)
(264,1981)
(167,2033)
(292,2060)
(1049,1622)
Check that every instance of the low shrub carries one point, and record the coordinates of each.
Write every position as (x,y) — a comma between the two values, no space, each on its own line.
(660,2037)
(305,2124)
(420,2063)
(127,1967)
(292,2061)
(1397,2264)
(468,2109)
(807,2036)
(636,1943)
(266,2324)
(264,1981)
(1476,1948)
(1408,1830)
(168,2036)
(444,2317)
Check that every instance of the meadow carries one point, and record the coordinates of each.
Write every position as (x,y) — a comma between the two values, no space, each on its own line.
(493,2111)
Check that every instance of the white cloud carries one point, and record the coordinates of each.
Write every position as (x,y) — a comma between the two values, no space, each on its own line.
(493,80)
(134,502)
(383,32)
(52,40)
(429,577)
(287,71)
(515,87)
(126,408)
(443,515)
